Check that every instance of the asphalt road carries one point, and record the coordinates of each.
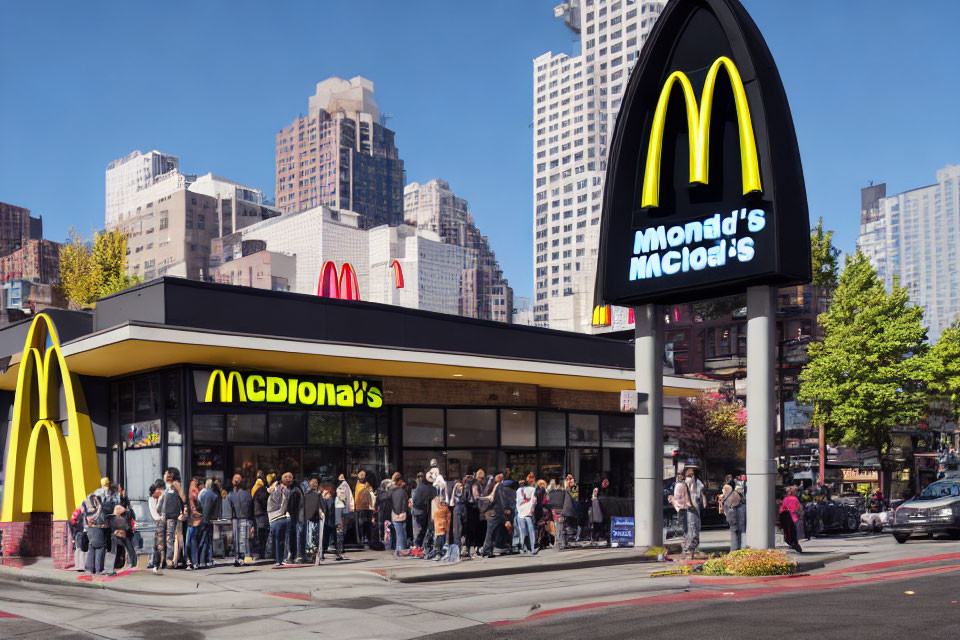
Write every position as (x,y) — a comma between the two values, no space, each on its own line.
(879,610)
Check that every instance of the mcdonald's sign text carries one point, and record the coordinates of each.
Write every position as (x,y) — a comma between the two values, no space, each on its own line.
(235,387)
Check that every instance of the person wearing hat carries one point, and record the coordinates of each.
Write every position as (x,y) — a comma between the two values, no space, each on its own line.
(121,529)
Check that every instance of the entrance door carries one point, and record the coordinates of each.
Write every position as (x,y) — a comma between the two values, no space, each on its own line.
(248,460)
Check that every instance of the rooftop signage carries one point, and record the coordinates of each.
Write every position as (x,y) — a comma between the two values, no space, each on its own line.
(229,387)
(704,192)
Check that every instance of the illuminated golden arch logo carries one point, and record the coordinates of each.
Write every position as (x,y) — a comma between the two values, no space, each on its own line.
(698,125)
(51,463)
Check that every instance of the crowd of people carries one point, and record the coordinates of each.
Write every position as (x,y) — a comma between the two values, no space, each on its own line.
(689,500)
(292,522)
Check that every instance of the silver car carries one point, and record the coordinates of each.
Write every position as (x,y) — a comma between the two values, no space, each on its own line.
(935,510)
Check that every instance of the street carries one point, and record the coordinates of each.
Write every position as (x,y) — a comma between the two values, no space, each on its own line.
(845,598)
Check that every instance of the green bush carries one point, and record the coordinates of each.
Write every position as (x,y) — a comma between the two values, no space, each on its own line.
(751,562)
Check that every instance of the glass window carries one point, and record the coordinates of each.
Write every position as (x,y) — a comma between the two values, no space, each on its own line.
(472,427)
(286,427)
(147,406)
(373,460)
(584,464)
(422,428)
(360,428)
(247,427)
(173,390)
(461,462)
(520,463)
(551,429)
(584,430)
(326,462)
(518,428)
(125,402)
(551,466)
(208,462)
(276,460)
(415,461)
(325,427)
(207,427)
(617,431)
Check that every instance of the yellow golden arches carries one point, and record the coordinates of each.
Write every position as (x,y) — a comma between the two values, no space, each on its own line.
(698,126)
(226,386)
(51,460)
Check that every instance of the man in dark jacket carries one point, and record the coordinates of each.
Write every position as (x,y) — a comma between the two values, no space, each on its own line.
(310,514)
(328,505)
(297,528)
(423,495)
(495,516)
(569,514)
(210,508)
(240,503)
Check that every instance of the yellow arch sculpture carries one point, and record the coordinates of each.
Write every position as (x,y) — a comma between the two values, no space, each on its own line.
(51,463)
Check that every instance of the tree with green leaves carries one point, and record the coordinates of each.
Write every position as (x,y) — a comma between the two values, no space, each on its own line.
(869,372)
(824,257)
(90,271)
(944,367)
(711,421)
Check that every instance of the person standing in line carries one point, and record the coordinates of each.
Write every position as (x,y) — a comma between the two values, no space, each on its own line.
(458,518)
(596,516)
(261,522)
(169,508)
(311,515)
(345,510)
(730,507)
(526,502)
(279,517)
(210,508)
(297,527)
(328,520)
(240,502)
(121,533)
(691,501)
(494,517)
(194,518)
(399,505)
(441,526)
(471,496)
(363,502)
(384,526)
(153,502)
(789,512)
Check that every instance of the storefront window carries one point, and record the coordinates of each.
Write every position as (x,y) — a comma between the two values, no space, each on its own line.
(208,462)
(268,459)
(472,427)
(551,429)
(416,461)
(518,428)
(147,398)
(520,463)
(360,428)
(617,431)
(461,462)
(584,430)
(584,464)
(373,460)
(207,427)
(286,427)
(246,427)
(551,466)
(325,427)
(326,462)
(422,428)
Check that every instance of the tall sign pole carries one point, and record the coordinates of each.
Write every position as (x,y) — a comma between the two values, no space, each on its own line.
(648,427)
(761,420)
(704,198)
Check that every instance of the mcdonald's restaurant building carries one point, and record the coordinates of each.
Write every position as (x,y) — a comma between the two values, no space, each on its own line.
(215,380)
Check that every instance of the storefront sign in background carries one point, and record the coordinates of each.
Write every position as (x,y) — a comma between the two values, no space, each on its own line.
(225,386)
(858,475)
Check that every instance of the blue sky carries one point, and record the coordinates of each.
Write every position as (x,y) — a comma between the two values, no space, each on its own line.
(873,86)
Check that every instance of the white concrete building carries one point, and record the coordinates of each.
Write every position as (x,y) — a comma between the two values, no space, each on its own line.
(576,100)
(914,237)
(127,176)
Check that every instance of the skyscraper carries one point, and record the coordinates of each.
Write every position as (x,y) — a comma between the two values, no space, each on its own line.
(340,155)
(131,174)
(433,207)
(576,100)
(913,238)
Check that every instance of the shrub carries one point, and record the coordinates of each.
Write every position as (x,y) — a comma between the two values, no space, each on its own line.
(751,562)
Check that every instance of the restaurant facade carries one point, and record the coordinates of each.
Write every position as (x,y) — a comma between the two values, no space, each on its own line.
(215,380)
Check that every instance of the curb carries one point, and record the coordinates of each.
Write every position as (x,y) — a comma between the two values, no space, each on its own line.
(23,576)
(485,569)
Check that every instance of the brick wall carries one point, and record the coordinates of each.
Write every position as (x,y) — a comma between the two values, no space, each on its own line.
(40,536)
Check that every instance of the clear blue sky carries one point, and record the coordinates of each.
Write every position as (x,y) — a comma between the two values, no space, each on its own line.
(873,86)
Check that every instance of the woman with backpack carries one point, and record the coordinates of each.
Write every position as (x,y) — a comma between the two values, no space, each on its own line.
(194,519)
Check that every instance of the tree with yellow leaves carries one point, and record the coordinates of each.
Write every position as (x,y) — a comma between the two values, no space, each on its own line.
(90,271)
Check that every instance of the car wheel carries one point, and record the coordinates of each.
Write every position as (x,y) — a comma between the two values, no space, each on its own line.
(901,537)
(850,524)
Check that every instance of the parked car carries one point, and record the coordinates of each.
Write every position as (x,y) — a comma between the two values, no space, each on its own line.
(832,516)
(935,510)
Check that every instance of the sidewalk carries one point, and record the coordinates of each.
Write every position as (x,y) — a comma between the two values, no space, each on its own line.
(372,567)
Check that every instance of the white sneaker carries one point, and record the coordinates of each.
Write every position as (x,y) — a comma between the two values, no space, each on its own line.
(157,572)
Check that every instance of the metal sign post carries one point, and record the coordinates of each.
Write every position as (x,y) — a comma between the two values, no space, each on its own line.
(761,465)
(648,427)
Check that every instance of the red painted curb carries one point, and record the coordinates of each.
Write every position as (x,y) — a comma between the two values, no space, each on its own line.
(4,614)
(291,596)
(721,580)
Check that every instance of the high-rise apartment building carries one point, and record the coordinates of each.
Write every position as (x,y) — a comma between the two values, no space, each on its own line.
(340,155)
(576,100)
(433,207)
(913,238)
(127,176)
(17,226)
(171,222)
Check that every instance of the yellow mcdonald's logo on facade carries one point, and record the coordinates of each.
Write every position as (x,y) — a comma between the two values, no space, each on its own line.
(51,463)
(275,389)
(698,126)
(226,386)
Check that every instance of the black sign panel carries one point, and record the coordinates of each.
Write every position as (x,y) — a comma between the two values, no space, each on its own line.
(704,191)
